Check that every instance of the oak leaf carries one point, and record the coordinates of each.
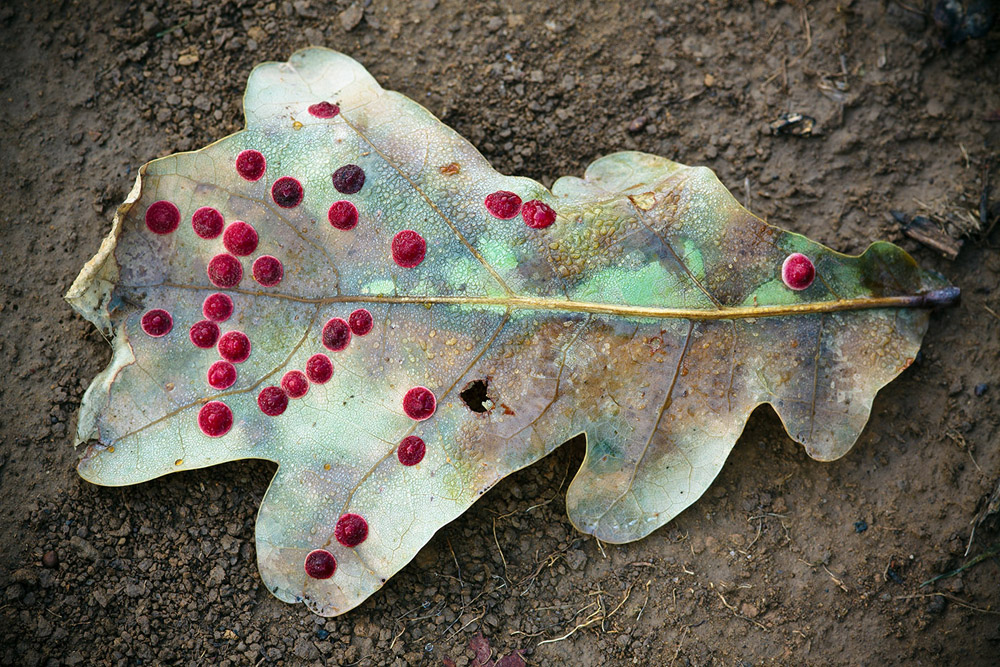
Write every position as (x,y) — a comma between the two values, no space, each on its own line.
(347,288)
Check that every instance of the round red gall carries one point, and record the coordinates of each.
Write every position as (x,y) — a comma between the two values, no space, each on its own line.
(221,375)
(217,307)
(50,559)
(156,322)
(798,271)
(295,384)
(503,204)
(324,109)
(215,419)
(319,369)
(204,334)
(360,322)
(162,217)
(250,164)
(343,215)
(287,192)
(419,403)
(207,222)
(411,450)
(408,248)
(351,530)
(272,401)
(320,564)
(225,271)
(240,238)
(267,270)
(349,179)
(336,334)
(537,214)
(234,346)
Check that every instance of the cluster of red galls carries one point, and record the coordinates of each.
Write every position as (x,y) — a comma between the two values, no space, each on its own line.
(240,239)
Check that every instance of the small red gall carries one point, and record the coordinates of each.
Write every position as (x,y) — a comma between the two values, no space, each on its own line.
(234,346)
(319,369)
(419,403)
(217,307)
(162,217)
(221,375)
(207,222)
(204,334)
(537,214)
(324,109)
(360,322)
(225,271)
(250,164)
(503,204)
(343,215)
(295,384)
(798,271)
(349,179)
(320,564)
(156,322)
(268,271)
(351,530)
(50,559)
(215,419)
(408,249)
(240,238)
(411,450)
(287,192)
(272,401)
(336,334)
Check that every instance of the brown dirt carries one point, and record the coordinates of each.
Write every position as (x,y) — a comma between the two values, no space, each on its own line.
(766,568)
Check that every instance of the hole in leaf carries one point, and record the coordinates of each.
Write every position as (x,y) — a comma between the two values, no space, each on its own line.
(474,396)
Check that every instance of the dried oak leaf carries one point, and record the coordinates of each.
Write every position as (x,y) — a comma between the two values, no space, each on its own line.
(320,289)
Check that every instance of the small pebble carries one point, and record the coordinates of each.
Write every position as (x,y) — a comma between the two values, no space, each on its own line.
(351,17)
(150,23)
(981,388)
(860,526)
(50,559)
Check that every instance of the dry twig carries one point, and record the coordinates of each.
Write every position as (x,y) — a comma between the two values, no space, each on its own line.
(599,615)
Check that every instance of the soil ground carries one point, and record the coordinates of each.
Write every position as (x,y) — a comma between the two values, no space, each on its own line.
(772,566)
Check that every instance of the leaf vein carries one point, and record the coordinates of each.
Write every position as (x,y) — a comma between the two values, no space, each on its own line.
(668,399)
(235,392)
(434,207)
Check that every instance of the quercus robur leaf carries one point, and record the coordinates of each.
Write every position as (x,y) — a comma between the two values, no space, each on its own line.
(347,288)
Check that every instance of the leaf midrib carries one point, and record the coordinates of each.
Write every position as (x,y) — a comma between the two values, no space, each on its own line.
(517,302)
